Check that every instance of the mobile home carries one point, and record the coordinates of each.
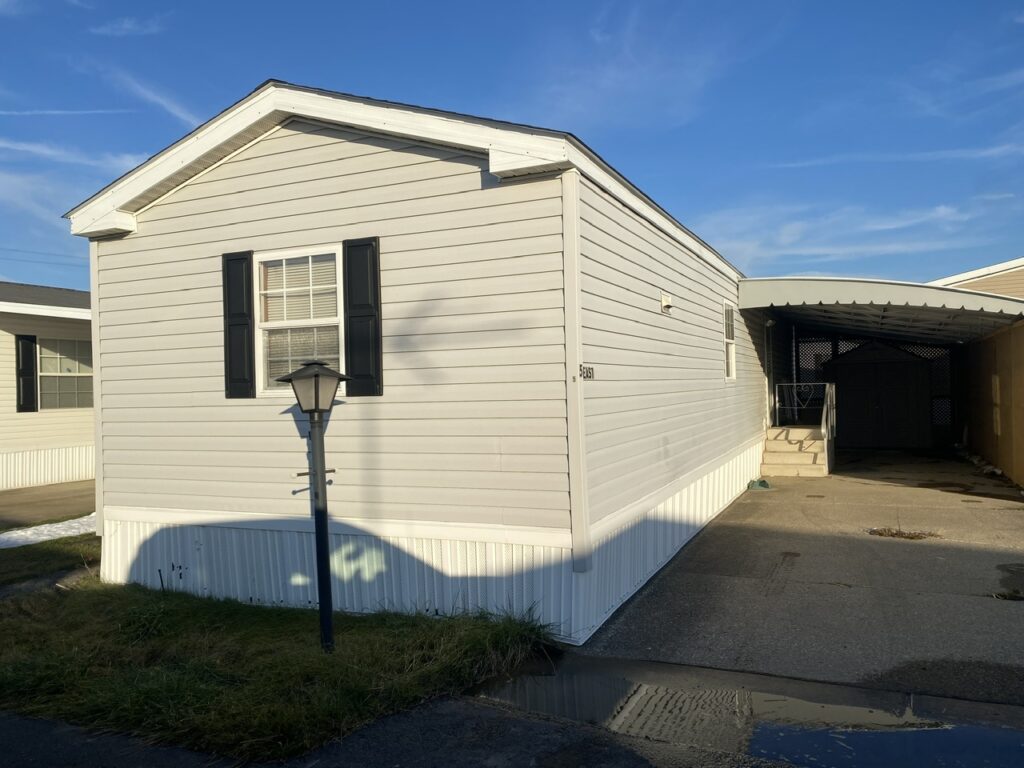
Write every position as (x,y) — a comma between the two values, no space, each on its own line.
(555,384)
(46,400)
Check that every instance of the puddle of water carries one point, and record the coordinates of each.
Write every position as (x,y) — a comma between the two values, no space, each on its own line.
(804,724)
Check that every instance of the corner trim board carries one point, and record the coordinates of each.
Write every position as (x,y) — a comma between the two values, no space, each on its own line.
(579,513)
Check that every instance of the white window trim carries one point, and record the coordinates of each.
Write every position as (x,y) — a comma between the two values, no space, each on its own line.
(285,393)
(730,345)
(40,374)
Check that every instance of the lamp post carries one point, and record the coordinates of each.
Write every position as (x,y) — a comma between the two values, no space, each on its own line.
(315,386)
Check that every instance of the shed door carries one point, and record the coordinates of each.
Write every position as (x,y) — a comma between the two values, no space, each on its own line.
(882,403)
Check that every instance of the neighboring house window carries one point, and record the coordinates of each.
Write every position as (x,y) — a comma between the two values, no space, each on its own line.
(730,341)
(298,314)
(65,373)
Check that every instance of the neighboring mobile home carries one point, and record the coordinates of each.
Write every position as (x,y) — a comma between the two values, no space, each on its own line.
(1006,278)
(555,384)
(46,416)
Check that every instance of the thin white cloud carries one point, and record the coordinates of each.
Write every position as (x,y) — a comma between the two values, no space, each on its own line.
(132,85)
(59,154)
(81,4)
(12,8)
(995,152)
(1019,18)
(627,60)
(130,26)
(799,236)
(944,90)
(31,194)
(939,214)
(60,112)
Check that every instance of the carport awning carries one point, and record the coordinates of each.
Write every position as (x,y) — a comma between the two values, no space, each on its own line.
(883,308)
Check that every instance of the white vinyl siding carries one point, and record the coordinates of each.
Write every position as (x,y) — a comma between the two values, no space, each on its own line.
(658,407)
(1008,283)
(47,428)
(472,424)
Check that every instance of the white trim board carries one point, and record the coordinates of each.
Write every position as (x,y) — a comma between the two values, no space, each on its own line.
(420,529)
(512,150)
(45,310)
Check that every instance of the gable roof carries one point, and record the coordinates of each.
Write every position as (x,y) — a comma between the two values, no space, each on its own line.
(977,274)
(25,299)
(512,149)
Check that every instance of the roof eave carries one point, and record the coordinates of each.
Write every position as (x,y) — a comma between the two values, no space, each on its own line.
(45,310)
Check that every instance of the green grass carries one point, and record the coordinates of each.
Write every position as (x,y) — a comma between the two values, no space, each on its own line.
(21,563)
(238,680)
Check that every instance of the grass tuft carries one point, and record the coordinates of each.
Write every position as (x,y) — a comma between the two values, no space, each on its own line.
(42,559)
(220,676)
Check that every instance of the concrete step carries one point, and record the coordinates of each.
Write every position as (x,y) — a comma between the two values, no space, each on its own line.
(794,446)
(793,470)
(794,458)
(794,433)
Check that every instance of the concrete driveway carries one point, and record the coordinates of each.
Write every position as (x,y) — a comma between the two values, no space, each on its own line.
(39,504)
(789,582)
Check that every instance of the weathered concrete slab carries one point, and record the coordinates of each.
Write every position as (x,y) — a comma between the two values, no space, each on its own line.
(22,507)
(788,582)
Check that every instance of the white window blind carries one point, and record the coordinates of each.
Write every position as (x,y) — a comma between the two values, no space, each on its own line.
(729,317)
(298,314)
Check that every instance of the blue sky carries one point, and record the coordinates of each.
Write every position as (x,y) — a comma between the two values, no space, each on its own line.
(868,138)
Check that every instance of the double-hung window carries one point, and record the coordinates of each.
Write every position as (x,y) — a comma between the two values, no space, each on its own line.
(298,313)
(729,317)
(65,373)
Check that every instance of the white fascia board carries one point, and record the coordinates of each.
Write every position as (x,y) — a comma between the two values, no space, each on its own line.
(44,310)
(512,151)
(976,274)
(767,292)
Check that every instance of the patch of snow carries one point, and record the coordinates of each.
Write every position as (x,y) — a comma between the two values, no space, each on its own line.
(21,537)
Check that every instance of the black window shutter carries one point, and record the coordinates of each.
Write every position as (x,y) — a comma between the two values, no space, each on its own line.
(239,342)
(363,342)
(25,362)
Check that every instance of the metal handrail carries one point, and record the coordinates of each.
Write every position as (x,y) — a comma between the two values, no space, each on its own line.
(791,399)
(828,426)
(828,412)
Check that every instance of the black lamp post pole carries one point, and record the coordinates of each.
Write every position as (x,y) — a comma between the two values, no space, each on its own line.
(323,550)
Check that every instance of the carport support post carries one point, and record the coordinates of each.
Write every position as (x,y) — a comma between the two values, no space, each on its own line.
(323,551)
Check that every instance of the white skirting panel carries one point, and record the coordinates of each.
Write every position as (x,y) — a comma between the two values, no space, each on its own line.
(371,573)
(633,544)
(274,565)
(21,469)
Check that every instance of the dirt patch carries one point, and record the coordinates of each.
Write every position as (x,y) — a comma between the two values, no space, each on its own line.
(898,533)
